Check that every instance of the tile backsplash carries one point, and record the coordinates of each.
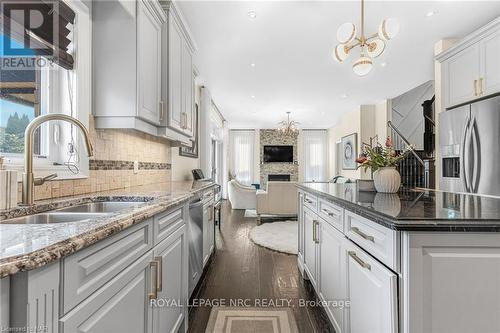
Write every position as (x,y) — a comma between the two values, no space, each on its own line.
(112,166)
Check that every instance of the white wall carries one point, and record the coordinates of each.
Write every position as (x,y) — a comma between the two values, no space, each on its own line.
(367,121)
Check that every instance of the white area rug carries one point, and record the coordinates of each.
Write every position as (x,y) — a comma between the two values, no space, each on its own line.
(278,236)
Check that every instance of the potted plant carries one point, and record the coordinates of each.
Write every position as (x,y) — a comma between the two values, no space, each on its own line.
(383,160)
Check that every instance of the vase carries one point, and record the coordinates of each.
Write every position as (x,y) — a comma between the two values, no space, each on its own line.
(387,180)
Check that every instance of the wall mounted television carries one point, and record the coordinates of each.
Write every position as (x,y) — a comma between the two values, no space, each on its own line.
(273,154)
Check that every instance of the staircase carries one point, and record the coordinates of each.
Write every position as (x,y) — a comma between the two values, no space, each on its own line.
(416,168)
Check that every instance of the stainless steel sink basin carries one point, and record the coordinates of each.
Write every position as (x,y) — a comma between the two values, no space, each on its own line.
(101,207)
(47,218)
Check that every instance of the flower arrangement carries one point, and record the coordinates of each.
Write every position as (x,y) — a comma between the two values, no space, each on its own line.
(381,156)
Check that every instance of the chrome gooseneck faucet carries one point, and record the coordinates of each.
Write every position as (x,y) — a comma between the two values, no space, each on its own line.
(29,182)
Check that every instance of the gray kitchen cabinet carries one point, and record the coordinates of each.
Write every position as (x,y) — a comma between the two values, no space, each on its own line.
(119,306)
(177,90)
(34,300)
(311,224)
(172,255)
(470,69)
(173,70)
(372,291)
(332,272)
(150,107)
(490,66)
(88,270)
(127,65)
(300,218)
(461,75)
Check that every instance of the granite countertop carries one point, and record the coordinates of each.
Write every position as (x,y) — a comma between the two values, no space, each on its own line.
(416,209)
(27,246)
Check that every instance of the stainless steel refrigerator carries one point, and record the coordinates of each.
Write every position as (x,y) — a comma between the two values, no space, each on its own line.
(469,142)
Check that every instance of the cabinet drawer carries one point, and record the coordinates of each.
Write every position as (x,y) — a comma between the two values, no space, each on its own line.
(379,241)
(89,269)
(167,222)
(331,213)
(311,201)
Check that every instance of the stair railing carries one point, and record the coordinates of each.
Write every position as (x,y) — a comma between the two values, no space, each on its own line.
(401,137)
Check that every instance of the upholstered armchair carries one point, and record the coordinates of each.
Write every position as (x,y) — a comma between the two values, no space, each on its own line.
(241,196)
(280,198)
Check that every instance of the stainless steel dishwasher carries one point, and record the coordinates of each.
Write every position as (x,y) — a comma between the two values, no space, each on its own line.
(195,233)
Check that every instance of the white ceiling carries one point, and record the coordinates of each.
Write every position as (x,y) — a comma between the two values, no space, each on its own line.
(291,43)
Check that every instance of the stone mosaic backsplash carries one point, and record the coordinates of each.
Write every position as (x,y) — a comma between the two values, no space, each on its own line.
(112,166)
(274,137)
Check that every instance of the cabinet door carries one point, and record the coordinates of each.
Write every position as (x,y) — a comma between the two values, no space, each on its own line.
(148,64)
(310,246)
(372,290)
(490,66)
(332,270)
(175,73)
(461,75)
(173,256)
(206,226)
(119,306)
(187,89)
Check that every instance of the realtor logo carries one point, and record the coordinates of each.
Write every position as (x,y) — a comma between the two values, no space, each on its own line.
(30,28)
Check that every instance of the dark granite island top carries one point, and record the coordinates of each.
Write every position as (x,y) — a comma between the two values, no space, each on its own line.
(415,210)
(25,247)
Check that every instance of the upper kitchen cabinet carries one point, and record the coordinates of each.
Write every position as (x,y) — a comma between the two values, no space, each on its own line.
(470,69)
(177,72)
(127,64)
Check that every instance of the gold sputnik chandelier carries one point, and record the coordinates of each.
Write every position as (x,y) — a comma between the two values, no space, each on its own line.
(288,127)
(370,47)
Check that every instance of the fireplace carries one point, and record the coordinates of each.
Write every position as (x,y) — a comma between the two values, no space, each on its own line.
(278,178)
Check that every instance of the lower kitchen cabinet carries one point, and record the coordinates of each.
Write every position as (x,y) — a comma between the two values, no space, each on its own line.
(119,306)
(332,273)
(310,246)
(170,312)
(372,291)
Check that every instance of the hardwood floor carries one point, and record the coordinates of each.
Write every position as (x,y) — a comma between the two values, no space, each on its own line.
(241,270)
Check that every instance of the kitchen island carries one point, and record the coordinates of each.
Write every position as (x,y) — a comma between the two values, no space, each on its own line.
(415,261)
(104,272)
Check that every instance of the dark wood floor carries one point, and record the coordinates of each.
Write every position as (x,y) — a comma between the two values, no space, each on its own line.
(242,270)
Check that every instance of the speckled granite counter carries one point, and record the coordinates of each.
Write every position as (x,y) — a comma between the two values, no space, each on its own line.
(415,210)
(27,246)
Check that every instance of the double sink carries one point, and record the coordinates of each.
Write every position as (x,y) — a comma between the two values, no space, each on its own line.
(81,213)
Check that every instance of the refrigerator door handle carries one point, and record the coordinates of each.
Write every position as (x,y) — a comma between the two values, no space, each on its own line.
(463,161)
(476,153)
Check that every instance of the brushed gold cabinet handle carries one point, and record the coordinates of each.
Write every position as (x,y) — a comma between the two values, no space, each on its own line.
(314,231)
(159,274)
(475,87)
(153,265)
(363,264)
(481,86)
(362,234)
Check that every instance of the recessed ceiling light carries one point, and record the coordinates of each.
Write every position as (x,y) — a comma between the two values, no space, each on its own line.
(252,64)
(252,14)
(253,96)
(432,13)
(383,64)
(343,96)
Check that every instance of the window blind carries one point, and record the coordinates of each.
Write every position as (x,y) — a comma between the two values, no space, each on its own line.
(46,26)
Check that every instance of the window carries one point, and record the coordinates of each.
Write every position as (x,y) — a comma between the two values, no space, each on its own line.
(243,155)
(55,84)
(315,155)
